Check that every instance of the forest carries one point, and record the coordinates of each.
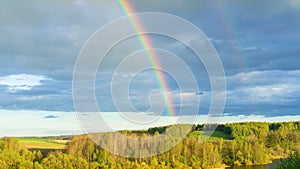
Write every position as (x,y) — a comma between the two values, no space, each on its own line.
(248,143)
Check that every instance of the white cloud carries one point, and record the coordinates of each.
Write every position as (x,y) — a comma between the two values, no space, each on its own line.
(295,3)
(258,78)
(249,48)
(274,87)
(20,82)
(274,94)
(216,40)
(29,98)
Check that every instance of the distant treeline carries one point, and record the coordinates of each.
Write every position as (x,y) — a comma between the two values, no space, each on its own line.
(248,143)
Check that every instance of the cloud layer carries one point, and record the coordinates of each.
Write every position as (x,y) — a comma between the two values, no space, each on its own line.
(21,82)
(258,43)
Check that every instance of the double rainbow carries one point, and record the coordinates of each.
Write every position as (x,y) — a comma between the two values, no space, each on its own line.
(146,44)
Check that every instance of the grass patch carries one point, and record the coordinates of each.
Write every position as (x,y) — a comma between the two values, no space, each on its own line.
(219,134)
(40,143)
(216,134)
(195,134)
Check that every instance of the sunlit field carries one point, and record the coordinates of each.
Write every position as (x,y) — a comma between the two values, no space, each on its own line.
(41,143)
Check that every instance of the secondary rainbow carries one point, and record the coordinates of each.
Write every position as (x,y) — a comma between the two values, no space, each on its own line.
(231,30)
(146,44)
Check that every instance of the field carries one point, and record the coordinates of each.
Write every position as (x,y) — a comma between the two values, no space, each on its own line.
(215,134)
(41,143)
(219,134)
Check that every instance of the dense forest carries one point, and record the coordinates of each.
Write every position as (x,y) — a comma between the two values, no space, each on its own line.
(248,143)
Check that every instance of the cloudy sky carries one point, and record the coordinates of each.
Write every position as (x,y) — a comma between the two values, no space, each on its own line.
(257,42)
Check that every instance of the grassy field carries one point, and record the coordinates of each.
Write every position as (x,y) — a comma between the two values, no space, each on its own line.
(40,143)
(215,134)
(219,134)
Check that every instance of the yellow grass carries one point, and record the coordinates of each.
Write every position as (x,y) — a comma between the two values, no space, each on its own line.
(39,143)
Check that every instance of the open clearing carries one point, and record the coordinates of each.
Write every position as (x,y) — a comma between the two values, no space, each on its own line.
(41,143)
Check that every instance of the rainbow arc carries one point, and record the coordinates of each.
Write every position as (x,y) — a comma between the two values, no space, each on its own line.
(153,59)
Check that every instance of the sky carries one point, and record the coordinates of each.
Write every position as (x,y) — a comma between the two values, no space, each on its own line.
(256,40)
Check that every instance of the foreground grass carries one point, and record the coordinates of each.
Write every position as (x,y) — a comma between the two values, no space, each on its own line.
(40,143)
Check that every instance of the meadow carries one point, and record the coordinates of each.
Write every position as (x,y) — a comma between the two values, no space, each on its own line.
(41,143)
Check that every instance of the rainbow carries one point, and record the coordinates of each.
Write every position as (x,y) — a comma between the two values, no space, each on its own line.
(146,44)
(230,28)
